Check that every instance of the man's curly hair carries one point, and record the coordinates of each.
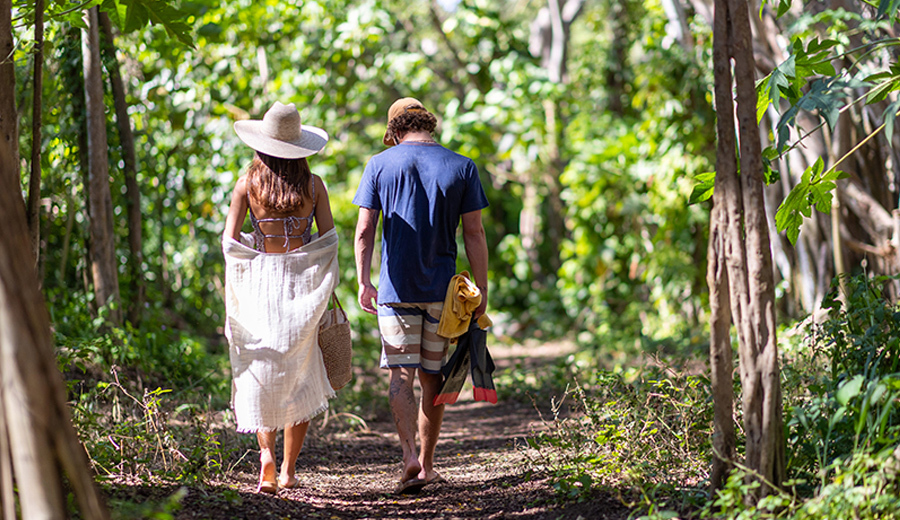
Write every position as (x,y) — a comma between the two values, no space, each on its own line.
(414,120)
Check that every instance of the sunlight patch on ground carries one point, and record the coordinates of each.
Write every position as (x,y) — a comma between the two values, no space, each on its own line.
(533,348)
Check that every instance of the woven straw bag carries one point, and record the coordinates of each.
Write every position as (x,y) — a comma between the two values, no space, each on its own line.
(334,340)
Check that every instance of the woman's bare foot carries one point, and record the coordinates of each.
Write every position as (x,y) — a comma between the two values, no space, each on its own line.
(267,482)
(286,481)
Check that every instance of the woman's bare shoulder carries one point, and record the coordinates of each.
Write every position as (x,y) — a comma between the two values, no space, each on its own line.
(320,184)
(241,185)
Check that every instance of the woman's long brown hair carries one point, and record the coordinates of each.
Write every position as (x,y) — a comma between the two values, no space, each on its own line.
(279,185)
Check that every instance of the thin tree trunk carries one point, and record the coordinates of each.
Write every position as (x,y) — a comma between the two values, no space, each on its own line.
(34,183)
(36,424)
(721,355)
(132,190)
(717,271)
(9,119)
(747,253)
(103,257)
(7,489)
(762,353)
(549,40)
(555,212)
(67,238)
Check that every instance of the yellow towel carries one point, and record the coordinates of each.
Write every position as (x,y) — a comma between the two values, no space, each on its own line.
(463,297)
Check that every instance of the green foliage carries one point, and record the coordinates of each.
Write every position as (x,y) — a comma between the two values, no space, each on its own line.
(863,487)
(632,264)
(150,510)
(807,81)
(842,421)
(703,190)
(133,15)
(853,409)
(813,190)
(644,435)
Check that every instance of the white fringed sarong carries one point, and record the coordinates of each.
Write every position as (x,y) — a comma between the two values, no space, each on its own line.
(273,304)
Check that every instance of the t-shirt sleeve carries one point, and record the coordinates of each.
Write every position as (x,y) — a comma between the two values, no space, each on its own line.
(367,193)
(474,199)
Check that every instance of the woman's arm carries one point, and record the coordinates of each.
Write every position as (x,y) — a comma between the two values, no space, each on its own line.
(237,211)
(324,218)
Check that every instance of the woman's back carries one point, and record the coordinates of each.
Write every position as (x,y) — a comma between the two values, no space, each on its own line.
(279,232)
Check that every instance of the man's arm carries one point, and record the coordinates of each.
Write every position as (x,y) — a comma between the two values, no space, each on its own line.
(364,245)
(477,253)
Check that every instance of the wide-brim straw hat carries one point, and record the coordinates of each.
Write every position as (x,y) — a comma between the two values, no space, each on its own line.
(281,134)
(401,106)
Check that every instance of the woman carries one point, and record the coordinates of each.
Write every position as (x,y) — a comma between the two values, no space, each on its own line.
(279,279)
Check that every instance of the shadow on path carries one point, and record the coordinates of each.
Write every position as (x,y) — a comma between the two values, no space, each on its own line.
(350,475)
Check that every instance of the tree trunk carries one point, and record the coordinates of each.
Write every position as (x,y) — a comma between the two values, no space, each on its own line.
(760,374)
(550,34)
(103,255)
(746,252)
(34,183)
(35,425)
(132,190)
(717,272)
(9,119)
(720,353)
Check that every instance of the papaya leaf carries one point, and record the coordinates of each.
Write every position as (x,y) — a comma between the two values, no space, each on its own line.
(823,100)
(889,116)
(811,62)
(783,7)
(887,8)
(815,189)
(886,82)
(880,92)
(138,13)
(779,83)
(789,216)
(704,188)
(783,128)
(822,196)
(763,88)
(770,175)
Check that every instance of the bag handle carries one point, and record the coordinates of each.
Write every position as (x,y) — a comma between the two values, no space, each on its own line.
(336,302)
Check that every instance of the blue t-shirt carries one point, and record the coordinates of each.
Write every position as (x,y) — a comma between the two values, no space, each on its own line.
(421,191)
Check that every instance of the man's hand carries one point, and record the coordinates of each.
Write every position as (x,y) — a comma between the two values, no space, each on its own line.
(368,293)
(482,307)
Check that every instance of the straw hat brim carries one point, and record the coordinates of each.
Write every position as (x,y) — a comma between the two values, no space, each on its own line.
(312,140)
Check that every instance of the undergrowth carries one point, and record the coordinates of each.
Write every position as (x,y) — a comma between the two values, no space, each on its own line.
(151,405)
(639,437)
(646,438)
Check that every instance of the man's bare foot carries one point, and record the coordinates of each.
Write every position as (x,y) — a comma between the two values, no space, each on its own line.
(431,476)
(411,470)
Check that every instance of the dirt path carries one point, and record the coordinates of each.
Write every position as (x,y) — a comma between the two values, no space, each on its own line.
(351,474)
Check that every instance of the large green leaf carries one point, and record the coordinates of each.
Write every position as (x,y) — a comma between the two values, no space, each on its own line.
(814,190)
(704,187)
(133,15)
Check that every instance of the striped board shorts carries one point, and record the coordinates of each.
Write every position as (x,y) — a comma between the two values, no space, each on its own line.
(409,336)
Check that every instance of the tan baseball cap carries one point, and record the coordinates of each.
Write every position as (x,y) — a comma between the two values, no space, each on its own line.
(401,106)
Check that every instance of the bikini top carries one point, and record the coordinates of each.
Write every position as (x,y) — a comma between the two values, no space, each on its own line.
(290,225)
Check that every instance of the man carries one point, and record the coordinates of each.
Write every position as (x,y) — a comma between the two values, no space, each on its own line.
(422,190)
